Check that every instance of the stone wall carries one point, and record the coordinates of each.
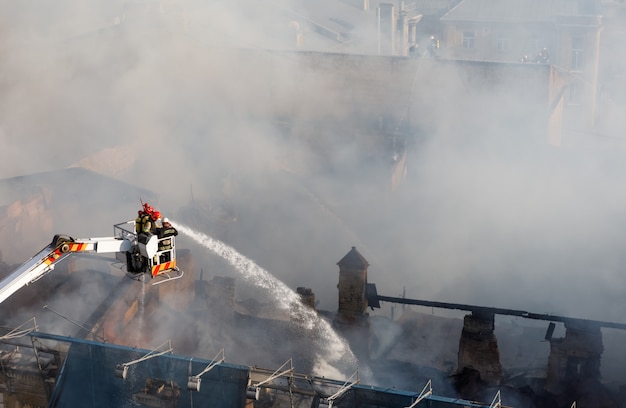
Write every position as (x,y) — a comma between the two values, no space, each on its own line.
(575,357)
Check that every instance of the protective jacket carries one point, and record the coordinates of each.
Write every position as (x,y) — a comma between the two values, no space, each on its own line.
(143,223)
(166,231)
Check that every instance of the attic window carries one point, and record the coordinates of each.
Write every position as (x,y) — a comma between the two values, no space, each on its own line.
(468,39)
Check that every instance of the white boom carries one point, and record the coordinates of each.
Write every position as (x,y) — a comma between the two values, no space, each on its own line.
(140,253)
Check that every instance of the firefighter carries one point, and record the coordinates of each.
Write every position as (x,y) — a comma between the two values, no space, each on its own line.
(144,223)
(168,229)
(165,243)
(139,221)
(156,222)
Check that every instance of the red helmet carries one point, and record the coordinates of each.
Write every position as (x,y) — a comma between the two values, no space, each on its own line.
(156,215)
(147,209)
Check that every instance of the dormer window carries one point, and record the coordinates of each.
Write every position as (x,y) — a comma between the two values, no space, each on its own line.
(468,39)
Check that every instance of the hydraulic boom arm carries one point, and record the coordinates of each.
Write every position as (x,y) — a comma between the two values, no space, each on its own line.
(45,261)
(142,253)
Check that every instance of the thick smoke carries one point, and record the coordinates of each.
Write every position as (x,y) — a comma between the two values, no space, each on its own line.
(206,106)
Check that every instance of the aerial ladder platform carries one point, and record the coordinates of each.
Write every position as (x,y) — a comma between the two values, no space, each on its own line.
(139,252)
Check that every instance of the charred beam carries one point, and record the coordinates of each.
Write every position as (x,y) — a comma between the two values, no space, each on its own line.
(483,310)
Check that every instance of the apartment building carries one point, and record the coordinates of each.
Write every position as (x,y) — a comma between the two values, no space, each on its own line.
(562,33)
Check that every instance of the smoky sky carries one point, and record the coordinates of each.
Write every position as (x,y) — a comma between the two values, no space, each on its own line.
(209,107)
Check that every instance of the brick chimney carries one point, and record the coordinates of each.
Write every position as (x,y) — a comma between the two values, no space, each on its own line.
(478,348)
(351,319)
(306,296)
(352,284)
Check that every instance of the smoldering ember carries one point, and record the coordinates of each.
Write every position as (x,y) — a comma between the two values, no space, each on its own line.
(340,203)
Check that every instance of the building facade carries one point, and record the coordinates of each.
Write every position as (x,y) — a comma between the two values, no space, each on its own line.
(562,33)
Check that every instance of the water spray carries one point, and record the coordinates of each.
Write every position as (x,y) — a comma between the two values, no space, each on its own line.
(336,348)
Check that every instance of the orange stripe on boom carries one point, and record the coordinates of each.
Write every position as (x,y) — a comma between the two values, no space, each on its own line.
(158,269)
(56,254)
(52,257)
(77,247)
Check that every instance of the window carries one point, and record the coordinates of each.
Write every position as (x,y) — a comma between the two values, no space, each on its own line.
(537,43)
(573,97)
(577,54)
(468,39)
(502,43)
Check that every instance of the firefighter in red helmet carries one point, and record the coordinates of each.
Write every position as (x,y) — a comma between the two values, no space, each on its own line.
(156,222)
(144,222)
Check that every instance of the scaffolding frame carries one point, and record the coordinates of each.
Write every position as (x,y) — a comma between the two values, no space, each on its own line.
(193,383)
(427,391)
(121,370)
(328,401)
(253,391)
